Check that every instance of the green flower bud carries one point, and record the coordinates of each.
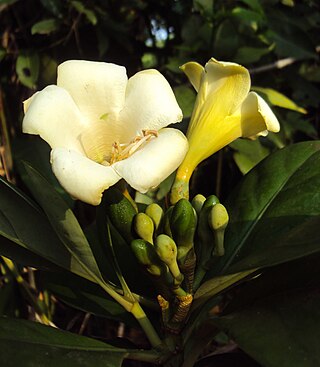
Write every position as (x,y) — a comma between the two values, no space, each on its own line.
(218,220)
(197,202)
(147,256)
(120,212)
(167,252)
(149,259)
(143,226)
(155,212)
(183,223)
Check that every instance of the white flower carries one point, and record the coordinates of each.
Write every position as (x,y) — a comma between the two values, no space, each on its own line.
(103,127)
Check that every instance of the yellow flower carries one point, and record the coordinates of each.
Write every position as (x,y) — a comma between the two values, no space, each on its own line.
(224,111)
(103,127)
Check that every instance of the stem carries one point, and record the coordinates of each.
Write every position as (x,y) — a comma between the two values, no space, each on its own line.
(145,356)
(146,325)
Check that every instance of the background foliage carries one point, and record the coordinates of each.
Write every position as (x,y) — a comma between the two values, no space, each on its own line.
(278,41)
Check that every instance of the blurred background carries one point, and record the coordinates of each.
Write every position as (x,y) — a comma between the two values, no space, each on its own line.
(277,40)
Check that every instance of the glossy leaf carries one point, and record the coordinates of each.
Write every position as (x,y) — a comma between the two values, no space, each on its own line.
(30,344)
(274,212)
(65,225)
(26,234)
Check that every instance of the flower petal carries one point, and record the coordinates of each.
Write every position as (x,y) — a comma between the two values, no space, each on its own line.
(98,88)
(150,104)
(82,178)
(257,117)
(224,86)
(194,72)
(149,166)
(54,116)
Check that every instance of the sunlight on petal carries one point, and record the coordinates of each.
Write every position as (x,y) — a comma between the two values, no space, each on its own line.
(152,164)
(150,104)
(194,72)
(81,177)
(54,116)
(97,88)
(257,117)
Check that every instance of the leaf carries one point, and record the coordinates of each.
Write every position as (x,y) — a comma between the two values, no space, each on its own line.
(27,68)
(65,225)
(249,55)
(90,15)
(274,212)
(26,235)
(216,285)
(225,40)
(84,295)
(290,39)
(278,99)
(37,154)
(45,26)
(53,6)
(282,330)
(248,153)
(185,98)
(30,344)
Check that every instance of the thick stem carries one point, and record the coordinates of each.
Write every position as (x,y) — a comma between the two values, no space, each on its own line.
(146,325)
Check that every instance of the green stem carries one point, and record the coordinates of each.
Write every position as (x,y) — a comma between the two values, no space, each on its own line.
(146,325)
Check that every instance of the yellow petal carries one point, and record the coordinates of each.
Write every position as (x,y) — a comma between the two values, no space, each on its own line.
(80,177)
(223,88)
(194,72)
(256,117)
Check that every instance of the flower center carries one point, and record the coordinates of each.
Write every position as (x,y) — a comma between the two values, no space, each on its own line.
(123,151)
(100,145)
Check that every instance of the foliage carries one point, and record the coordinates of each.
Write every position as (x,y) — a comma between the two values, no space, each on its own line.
(265,284)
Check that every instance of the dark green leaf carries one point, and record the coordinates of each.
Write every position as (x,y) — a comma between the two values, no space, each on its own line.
(282,330)
(84,295)
(248,153)
(66,226)
(27,236)
(30,344)
(275,211)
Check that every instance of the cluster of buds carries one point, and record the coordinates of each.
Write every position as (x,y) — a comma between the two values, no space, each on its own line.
(176,247)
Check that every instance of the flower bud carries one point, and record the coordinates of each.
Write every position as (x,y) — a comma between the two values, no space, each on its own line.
(167,251)
(183,223)
(218,220)
(197,202)
(120,212)
(143,226)
(155,212)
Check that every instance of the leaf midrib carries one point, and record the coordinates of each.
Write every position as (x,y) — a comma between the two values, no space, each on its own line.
(269,202)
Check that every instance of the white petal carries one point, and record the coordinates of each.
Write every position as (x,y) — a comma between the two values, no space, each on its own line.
(80,177)
(257,117)
(53,115)
(98,88)
(150,104)
(152,164)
